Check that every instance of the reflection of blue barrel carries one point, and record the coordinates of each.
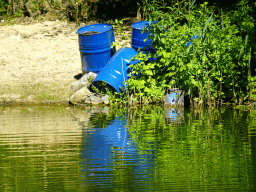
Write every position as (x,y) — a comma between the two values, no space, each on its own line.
(95,46)
(99,143)
(105,148)
(138,36)
(172,114)
(115,73)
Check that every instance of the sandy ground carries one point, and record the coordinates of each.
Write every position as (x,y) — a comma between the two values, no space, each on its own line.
(40,61)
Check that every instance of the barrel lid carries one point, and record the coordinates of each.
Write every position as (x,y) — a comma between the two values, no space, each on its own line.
(142,24)
(94,29)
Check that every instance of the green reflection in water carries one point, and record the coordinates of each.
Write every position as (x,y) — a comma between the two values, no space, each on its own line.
(203,150)
(190,150)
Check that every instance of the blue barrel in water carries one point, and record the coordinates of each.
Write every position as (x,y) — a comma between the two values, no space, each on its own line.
(95,46)
(138,36)
(115,73)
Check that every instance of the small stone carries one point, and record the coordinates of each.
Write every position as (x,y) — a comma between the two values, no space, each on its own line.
(78,85)
(87,100)
(105,99)
(91,75)
(96,99)
(83,82)
(80,96)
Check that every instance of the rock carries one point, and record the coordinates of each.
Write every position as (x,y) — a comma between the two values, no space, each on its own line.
(94,99)
(87,100)
(78,85)
(105,99)
(83,82)
(80,96)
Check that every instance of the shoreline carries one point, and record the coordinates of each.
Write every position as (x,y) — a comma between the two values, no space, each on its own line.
(40,61)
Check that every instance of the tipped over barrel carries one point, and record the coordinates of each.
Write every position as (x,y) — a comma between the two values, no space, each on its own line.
(116,71)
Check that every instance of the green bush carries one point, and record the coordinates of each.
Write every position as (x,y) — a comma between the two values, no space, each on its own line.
(214,67)
(73,10)
(3,7)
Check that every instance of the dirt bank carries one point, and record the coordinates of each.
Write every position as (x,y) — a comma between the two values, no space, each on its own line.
(39,61)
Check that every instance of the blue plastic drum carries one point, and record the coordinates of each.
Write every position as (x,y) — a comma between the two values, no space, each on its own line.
(116,71)
(138,36)
(192,38)
(95,46)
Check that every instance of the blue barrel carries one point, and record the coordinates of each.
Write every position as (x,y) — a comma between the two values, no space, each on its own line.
(116,71)
(138,36)
(95,46)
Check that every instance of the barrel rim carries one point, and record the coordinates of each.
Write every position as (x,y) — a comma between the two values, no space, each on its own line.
(143,23)
(83,29)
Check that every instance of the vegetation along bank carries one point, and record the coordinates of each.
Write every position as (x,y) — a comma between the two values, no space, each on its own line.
(218,66)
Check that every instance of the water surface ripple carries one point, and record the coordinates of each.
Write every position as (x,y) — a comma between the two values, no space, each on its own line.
(106,149)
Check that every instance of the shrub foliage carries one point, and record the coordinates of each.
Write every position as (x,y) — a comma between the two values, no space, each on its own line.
(215,67)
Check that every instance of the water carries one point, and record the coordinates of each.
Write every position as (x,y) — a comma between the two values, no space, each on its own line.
(103,149)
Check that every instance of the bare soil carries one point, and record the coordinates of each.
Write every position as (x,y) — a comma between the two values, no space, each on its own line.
(39,61)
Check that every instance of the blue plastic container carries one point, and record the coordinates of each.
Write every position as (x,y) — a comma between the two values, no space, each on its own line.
(192,38)
(138,36)
(95,46)
(116,71)
(172,98)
